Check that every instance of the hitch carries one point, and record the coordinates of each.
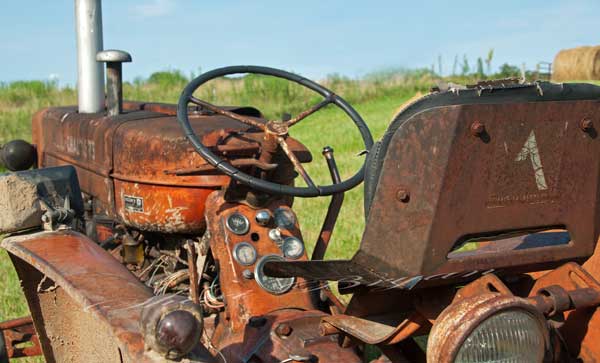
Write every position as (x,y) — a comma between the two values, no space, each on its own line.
(18,339)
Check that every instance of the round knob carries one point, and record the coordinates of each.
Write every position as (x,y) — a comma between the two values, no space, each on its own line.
(263,217)
(113,56)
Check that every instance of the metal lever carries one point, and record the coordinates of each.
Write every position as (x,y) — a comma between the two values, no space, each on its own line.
(334,208)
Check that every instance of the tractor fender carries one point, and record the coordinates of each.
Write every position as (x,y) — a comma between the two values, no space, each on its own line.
(85,305)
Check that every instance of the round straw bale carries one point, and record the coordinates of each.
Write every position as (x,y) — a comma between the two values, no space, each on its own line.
(577,64)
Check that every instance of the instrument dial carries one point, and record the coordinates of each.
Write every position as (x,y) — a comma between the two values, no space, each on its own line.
(292,248)
(244,253)
(284,218)
(273,285)
(237,223)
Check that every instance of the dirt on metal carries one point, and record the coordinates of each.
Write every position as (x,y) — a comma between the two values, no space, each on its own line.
(18,196)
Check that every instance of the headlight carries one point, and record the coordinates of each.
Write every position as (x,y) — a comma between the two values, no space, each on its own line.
(171,325)
(489,328)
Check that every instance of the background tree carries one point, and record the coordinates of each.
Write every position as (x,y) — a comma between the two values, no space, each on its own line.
(488,60)
(455,65)
(480,73)
(465,66)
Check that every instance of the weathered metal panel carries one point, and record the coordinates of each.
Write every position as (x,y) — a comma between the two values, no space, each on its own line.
(77,292)
(143,154)
(533,166)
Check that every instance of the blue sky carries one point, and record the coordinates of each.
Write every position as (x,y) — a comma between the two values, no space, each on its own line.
(310,37)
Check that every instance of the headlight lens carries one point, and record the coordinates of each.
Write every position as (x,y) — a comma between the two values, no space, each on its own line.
(511,336)
(180,331)
(171,325)
(489,327)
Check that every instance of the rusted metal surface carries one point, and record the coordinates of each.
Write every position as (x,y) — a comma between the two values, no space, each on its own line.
(135,156)
(161,208)
(387,323)
(457,322)
(472,187)
(245,298)
(257,326)
(238,163)
(20,338)
(554,299)
(282,335)
(193,271)
(65,271)
(581,327)
(464,187)
(371,331)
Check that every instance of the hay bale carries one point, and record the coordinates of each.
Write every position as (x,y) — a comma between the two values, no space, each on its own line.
(582,64)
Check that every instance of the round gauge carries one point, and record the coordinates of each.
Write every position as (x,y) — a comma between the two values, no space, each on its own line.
(274,285)
(292,248)
(244,253)
(284,218)
(237,223)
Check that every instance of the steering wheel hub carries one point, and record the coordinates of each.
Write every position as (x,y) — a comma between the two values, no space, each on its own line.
(277,128)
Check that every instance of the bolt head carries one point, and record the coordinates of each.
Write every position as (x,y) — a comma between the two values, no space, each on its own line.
(586,124)
(403,195)
(283,329)
(477,128)
(249,275)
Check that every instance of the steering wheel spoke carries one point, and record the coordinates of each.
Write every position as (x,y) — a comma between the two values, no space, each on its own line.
(304,114)
(220,111)
(297,164)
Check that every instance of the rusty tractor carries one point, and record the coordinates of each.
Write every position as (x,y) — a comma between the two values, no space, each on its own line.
(149,232)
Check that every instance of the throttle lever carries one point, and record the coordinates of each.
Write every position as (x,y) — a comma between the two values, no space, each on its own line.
(334,208)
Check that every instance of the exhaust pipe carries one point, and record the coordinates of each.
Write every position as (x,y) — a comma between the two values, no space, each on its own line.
(90,73)
(114,78)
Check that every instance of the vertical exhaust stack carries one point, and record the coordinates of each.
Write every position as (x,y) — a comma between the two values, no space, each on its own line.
(90,73)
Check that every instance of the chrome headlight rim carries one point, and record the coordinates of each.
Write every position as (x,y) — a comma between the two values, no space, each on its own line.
(460,320)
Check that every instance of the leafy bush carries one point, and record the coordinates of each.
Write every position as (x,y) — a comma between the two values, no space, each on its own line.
(168,78)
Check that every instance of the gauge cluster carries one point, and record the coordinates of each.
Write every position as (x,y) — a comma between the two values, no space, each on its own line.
(280,242)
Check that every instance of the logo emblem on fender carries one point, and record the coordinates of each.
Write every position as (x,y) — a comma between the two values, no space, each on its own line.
(526,163)
(530,151)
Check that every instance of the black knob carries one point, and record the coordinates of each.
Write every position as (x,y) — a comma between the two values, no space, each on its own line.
(17,155)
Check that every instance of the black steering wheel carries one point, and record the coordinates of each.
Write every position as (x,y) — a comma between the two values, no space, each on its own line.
(276,133)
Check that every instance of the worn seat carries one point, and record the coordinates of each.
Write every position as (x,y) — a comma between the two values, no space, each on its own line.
(517,166)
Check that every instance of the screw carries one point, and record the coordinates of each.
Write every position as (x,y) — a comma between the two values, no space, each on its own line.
(586,124)
(403,195)
(477,128)
(283,329)
(248,274)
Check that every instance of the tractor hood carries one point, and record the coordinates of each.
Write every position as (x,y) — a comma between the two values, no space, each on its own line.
(138,166)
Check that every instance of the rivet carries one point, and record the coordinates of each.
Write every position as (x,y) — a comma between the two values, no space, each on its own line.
(477,128)
(586,124)
(403,195)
